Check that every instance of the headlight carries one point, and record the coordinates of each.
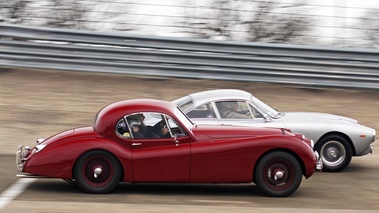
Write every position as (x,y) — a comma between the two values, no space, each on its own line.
(39,147)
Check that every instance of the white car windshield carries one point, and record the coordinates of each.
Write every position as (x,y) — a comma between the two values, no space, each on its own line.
(184,102)
(183,118)
(266,108)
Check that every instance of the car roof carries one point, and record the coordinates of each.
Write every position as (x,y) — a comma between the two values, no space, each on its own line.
(109,115)
(219,94)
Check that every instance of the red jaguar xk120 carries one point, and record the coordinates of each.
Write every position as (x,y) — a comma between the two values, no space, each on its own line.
(152,141)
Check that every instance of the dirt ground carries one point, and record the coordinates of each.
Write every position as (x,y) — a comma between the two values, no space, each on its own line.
(36,104)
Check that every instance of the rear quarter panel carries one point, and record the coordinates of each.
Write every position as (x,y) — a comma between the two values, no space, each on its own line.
(58,160)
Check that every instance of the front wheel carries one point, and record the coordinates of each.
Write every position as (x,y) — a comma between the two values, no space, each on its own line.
(278,174)
(335,153)
(97,172)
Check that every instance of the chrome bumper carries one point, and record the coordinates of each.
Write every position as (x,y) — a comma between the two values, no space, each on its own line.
(20,162)
(319,164)
(20,157)
(369,149)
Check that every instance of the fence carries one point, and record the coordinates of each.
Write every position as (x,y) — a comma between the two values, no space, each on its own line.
(75,50)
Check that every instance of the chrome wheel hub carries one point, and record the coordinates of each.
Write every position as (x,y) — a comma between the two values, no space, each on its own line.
(97,172)
(278,175)
(333,153)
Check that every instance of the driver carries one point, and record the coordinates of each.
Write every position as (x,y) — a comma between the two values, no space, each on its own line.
(159,130)
(229,109)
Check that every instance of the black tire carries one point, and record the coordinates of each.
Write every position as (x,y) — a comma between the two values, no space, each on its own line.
(335,152)
(278,174)
(106,179)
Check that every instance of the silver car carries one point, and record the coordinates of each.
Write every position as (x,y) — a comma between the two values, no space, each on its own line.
(336,138)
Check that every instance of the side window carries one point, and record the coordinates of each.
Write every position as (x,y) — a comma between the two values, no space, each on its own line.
(256,113)
(203,111)
(122,128)
(234,110)
(174,127)
(147,125)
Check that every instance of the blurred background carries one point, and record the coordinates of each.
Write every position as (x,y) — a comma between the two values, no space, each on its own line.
(342,23)
(36,103)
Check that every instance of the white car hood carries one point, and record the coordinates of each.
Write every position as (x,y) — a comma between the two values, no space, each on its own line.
(314,116)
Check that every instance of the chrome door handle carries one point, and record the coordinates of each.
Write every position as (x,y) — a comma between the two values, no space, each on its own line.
(136,144)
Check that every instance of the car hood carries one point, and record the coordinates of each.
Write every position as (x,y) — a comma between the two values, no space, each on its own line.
(315,116)
(203,132)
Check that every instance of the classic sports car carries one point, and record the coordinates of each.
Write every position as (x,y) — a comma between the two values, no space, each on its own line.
(152,141)
(336,138)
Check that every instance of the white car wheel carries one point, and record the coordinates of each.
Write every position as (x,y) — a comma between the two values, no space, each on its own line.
(335,153)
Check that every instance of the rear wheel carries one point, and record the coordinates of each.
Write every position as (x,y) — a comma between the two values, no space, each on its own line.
(335,153)
(97,172)
(278,174)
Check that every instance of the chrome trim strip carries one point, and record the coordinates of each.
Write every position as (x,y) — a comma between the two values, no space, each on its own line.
(40,140)
(28,175)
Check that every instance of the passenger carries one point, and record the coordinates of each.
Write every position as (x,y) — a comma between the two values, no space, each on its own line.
(134,124)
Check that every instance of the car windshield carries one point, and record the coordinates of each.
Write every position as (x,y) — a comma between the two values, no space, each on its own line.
(266,108)
(183,118)
(184,102)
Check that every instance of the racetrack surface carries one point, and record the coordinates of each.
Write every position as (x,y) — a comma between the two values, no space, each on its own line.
(36,104)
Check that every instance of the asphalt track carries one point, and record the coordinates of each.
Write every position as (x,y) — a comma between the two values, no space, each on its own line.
(36,104)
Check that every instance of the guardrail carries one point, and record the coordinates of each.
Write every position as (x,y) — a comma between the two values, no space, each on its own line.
(74,50)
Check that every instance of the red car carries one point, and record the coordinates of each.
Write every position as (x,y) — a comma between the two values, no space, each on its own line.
(153,141)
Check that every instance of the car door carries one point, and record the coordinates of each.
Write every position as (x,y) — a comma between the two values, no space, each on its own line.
(161,159)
